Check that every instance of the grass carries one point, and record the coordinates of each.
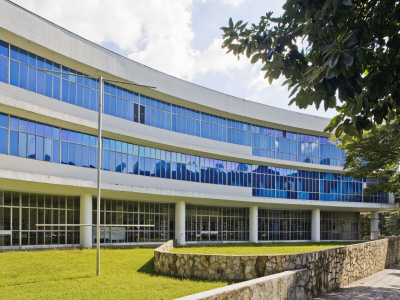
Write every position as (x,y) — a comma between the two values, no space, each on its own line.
(262,248)
(125,273)
(71,274)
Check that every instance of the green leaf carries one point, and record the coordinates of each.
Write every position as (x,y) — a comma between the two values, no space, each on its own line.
(349,44)
(333,60)
(348,59)
(330,75)
(248,51)
(352,41)
(361,55)
(391,115)
(339,130)
(255,58)
(336,121)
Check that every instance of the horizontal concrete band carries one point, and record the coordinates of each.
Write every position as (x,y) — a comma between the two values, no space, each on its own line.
(65,180)
(26,104)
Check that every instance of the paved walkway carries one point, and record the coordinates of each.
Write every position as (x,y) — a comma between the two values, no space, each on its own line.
(382,285)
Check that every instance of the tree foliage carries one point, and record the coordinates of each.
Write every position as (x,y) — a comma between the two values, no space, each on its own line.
(365,225)
(389,224)
(392,223)
(350,60)
(376,153)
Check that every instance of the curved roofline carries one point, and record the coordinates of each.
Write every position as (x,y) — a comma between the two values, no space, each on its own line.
(169,88)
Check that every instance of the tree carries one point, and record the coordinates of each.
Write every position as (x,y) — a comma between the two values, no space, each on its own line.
(392,220)
(376,153)
(350,61)
(365,225)
(342,54)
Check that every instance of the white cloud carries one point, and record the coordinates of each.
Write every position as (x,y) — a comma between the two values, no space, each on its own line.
(215,59)
(234,3)
(259,90)
(105,22)
(156,33)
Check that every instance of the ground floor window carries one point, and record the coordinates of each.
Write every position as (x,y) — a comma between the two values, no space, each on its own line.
(212,223)
(119,212)
(284,225)
(21,212)
(340,225)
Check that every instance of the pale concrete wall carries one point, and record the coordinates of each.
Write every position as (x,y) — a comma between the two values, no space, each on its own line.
(328,269)
(288,285)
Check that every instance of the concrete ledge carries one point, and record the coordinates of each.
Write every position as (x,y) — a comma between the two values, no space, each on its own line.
(286,285)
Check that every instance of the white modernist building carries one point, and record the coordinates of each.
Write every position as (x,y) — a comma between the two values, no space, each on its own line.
(199,165)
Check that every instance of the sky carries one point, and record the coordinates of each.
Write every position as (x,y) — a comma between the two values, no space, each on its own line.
(179,37)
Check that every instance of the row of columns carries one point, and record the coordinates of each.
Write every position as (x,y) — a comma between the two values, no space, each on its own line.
(180,239)
(86,214)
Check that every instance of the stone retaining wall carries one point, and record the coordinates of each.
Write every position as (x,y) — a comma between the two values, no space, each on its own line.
(328,269)
(288,285)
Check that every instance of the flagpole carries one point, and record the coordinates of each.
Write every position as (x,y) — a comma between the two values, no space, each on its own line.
(99,143)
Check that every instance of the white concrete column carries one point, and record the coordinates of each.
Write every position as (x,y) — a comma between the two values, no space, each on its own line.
(315,225)
(180,216)
(253,220)
(86,213)
(374,225)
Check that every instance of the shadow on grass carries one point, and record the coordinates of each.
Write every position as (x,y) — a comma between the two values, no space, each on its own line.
(148,268)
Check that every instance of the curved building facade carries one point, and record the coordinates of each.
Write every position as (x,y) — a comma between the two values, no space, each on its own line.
(183,161)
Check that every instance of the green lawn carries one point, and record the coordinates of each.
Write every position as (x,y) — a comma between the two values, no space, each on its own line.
(125,273)
(71,274)
(261,248)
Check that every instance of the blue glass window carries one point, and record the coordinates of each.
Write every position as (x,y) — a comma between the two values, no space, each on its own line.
(64,89)
(3,68)
(13,142)
(3,48)
(71,154)
(78,155)
(31,146)
(93,157)
(85,156)
(22,144)
(113,105)
(39,148)
(79,95)
(3,140)
(40,76)
(64,152)
(3,120)
(14,69)
(56,151)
